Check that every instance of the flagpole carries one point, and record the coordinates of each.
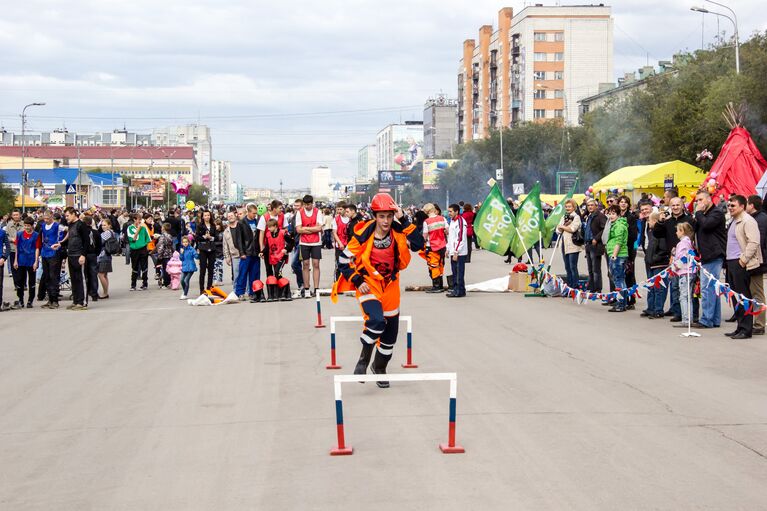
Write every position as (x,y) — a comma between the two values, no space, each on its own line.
(554,254)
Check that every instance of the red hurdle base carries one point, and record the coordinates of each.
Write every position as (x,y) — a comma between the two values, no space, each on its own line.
(447,449)
(333,366)
(409,366)
(346,451)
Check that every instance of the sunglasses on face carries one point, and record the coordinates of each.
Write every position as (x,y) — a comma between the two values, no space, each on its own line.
(731,205)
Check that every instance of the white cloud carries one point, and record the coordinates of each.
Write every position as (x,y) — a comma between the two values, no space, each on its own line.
(145,60)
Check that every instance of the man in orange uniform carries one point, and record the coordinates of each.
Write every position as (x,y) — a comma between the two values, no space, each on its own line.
(434,229)
(375,254)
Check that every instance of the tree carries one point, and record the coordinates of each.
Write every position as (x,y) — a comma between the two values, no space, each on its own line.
(7,198)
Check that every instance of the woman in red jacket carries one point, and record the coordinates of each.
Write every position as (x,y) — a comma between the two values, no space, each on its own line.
(468,215)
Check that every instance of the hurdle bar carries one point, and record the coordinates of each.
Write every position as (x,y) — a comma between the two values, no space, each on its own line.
(343,450)
(349,319)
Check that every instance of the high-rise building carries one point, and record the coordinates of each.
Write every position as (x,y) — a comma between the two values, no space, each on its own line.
(195,135)
(399,146)
(536,66)
(366,163)
(221,180)
(439,126)
(321,182)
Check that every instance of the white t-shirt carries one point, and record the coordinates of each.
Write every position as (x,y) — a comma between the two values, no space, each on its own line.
(345,221)
(262,221)
(320,222)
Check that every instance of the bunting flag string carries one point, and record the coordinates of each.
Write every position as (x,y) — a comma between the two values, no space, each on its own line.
(540,277)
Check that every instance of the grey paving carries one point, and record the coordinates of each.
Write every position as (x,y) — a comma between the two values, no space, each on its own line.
(145,403)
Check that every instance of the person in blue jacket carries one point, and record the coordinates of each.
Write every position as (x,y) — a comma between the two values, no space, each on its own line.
(188,266)
(50,259)
(5,250)
(28,244)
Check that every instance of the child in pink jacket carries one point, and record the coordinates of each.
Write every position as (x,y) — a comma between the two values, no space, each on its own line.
(174,270)
(685,234)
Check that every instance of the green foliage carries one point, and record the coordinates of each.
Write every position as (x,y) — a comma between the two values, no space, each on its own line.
(674,117)
(197,193)
(7,198)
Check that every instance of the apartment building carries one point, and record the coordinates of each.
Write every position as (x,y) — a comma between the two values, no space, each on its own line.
(536,66)
(366,164)
(439,126)
(221,180)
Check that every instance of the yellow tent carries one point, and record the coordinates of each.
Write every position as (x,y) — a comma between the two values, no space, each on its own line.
(639,179)
(553,199)
(29,202)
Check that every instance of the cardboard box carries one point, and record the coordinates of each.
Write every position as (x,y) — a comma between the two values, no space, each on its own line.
(520,283)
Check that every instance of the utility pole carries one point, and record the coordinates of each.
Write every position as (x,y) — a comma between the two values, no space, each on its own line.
(23,150)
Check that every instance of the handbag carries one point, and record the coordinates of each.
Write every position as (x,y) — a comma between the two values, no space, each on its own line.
(577,238)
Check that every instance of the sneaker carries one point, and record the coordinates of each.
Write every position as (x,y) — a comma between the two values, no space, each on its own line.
(132,289)
(77,307)
(182,297)
(675,319)
(54,305)
(29,305)
(143,288)
(46,305)
(302,293)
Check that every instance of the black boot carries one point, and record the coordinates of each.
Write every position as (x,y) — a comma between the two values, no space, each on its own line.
(379,367)
(258,297)
(436,285)
(365,354)
(285,294)
(271,291)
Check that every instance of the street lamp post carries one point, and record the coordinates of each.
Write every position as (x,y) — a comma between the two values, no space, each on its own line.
(23,150)
(733,20)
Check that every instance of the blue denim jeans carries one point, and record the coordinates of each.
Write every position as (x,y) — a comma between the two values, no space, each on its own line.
(674,307)
(656,297)
(296,267)
(250,270)
(618,272)
(711,305)
(571,267)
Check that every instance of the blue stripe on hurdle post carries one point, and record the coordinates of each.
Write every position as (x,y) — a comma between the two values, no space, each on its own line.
(333,364)
(341,450)
(319,310)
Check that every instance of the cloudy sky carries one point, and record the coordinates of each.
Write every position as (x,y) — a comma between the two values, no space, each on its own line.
(284,86)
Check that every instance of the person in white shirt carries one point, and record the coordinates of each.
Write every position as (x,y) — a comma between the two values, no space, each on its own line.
(309,223)
(457,250)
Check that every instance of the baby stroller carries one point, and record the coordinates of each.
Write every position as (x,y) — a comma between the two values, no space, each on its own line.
(65,285)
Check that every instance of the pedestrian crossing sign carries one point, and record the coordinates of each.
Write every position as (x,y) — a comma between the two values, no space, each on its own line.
(71,190)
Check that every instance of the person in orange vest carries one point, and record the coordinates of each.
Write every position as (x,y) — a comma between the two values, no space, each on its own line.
(435,239)
(377,251)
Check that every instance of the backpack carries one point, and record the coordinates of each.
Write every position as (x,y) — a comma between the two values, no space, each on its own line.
(112,245)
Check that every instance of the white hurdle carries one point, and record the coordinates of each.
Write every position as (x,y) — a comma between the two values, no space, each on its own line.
(343,450)
(352,319)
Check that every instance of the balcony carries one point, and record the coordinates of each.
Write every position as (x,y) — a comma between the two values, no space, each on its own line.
(494,59)
(493,94)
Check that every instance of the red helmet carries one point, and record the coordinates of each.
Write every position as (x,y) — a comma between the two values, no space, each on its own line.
(383,202)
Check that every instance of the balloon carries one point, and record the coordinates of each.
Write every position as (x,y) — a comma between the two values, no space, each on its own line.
(714,174)
(261,209)
(399,159)
(190,205)
(712,182)
(591,188)
(629,187)
(441,165)
(620,190)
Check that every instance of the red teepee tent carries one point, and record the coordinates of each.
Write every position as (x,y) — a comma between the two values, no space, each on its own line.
(738,168)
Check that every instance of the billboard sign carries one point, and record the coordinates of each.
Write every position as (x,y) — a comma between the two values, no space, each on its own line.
(432,170)
(152,188)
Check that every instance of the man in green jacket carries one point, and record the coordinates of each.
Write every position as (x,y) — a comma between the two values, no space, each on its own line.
(617,250)
(138,239)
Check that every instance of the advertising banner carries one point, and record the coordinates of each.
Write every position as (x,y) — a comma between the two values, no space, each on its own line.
(432,170)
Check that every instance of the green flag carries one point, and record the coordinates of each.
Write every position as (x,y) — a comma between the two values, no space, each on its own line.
(494,223)
(554,217)
(529,222)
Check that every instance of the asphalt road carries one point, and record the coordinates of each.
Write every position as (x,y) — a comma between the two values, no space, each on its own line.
(146,403)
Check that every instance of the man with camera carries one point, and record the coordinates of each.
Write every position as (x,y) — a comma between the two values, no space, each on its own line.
(666,228)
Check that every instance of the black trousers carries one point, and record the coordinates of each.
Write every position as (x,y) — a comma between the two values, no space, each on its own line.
(740,282)
(469,243)
(51,279)
(207,263)
(594,263)
(76,279)
(630,272)
(92,275)
(139,264)
(25,276)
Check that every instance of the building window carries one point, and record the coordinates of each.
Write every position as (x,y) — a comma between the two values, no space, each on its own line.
(559,75)
(539,114)
(559,113)
(539,94)
(540,57)
(540,36)
(559,36)
(559,56)
(539,75)
(111,197)
(559,94)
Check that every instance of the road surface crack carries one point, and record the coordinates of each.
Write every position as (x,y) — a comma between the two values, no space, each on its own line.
(655,398)
(742,444)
